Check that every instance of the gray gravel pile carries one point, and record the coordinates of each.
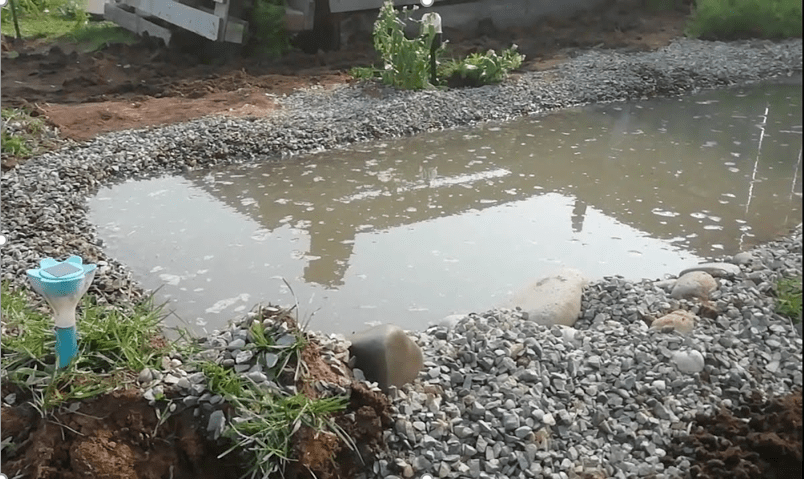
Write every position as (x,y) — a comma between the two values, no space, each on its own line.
(502,397)
(236,350)
(44,199)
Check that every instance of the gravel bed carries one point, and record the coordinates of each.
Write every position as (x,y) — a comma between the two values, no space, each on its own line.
(503,397)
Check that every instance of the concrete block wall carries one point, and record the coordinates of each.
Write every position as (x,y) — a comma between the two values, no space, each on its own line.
(505,13)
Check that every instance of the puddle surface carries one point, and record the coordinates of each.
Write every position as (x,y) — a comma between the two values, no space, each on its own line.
(409,231)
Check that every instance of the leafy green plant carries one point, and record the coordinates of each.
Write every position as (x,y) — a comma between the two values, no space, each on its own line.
(14,145)
(729,19)
(405,61)
(482,69)
(268,33)
(789,298)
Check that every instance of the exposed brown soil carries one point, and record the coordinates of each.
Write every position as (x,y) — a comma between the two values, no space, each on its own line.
(119,436)
(122,86)
(116,436)
(365,419)
(760,440)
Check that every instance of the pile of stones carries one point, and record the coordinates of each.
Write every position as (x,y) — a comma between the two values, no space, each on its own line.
(501,396)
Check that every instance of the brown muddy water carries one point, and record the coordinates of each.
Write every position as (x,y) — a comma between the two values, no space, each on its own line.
(408,231)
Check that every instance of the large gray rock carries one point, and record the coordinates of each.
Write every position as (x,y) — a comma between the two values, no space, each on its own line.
(696,284)
(688,362)
(555,299)
(386,355)
(744,257)
(451,320)
(718,270)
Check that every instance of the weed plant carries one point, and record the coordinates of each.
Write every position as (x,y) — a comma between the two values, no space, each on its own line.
(406,62)
(269,37)
(788,301)
(732,19)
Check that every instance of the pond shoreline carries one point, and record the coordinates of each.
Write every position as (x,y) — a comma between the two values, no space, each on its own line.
(45,198)
(610,397)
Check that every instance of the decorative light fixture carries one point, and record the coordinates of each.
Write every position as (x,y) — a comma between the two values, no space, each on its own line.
(62,284)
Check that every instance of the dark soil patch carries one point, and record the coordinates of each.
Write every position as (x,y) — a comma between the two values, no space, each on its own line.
(760,440)
(119,436)
(116,436)
(366,417)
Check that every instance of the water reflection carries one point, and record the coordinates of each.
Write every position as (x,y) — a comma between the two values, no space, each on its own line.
(410,230)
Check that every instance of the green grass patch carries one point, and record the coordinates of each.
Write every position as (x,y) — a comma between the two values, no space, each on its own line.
(788,301)
(732,19)
(267,418)
(22,134)
(221,380)
(44,19)
(95,36)
(266,424)
(114,345)
(63,21)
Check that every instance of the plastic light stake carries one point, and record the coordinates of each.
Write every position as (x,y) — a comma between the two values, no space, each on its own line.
(62,284)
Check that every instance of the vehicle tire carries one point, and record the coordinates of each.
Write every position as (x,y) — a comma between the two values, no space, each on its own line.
(326,32)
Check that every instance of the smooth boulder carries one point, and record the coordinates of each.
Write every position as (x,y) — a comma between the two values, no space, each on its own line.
(718,270)
(555,299)
(688,362)
(696,284)
(744,257)
(386,355)
(450,321)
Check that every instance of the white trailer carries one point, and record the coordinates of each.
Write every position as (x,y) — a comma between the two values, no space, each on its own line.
(226,20)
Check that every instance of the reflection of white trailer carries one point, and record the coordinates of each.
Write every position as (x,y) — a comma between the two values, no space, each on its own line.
(226,20)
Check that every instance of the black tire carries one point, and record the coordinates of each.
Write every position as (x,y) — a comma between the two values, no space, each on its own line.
(326,32)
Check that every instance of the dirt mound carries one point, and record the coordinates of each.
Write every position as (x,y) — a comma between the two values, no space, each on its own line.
(120,436)
(116,436)
(366,417)
(761,440)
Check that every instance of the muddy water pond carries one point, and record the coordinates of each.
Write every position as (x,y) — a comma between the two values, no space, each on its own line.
(408,231)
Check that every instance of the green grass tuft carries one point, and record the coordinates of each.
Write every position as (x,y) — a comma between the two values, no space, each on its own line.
(732,19)
(114,345)
(789,298)
(65,21)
